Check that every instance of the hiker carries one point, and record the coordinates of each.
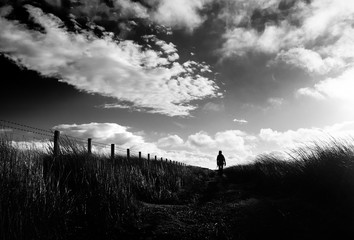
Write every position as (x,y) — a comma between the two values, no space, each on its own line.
(220,160)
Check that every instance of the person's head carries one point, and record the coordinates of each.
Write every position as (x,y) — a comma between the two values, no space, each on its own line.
(220,152)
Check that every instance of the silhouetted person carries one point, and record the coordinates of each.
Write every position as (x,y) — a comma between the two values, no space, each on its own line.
(220,160)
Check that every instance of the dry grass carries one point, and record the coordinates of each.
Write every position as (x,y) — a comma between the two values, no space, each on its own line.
(80,196)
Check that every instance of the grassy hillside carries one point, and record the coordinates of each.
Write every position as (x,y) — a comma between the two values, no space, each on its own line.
(311,194)
(81,196)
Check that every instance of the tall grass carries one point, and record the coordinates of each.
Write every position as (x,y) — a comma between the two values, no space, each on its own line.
(309,195)
(321,167)
(320,174)
(81,196)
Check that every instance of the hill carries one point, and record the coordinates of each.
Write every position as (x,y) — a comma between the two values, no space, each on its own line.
(81,196)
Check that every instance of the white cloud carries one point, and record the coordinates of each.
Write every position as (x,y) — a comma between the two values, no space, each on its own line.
(102,132)
(275,102)
(310,92)
(170,142)
(241,121)
(179,13)
(129,8)
(340,88)
(292,138)
(315,36)
(201,140)
(309,60)
(147,79)
(236,145)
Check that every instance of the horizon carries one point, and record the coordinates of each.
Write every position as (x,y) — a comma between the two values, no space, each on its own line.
(182,79)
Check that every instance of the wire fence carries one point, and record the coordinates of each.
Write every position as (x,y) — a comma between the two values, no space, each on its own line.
(23,135)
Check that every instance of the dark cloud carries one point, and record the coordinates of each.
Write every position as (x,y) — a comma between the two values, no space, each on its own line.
(286,4)
(261,17)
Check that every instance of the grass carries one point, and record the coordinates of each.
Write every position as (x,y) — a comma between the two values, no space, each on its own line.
(81,196)
(309,195)
(326,167)
(311,192)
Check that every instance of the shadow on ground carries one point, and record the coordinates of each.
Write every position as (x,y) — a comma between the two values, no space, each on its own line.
(235,210)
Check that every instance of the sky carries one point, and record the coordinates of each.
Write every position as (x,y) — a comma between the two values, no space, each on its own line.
(181,79)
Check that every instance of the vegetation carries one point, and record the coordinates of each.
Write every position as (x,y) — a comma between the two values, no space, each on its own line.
(310,195)
(81,196)
(313,190)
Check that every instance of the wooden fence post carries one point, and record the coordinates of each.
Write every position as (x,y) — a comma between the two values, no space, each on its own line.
(148,156)
(139,155)
(112,151)
(128,154)
(89,146)
(155,158)
(56,143)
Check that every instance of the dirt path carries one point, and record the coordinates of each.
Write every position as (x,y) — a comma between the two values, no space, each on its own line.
(212,218)
(239,211)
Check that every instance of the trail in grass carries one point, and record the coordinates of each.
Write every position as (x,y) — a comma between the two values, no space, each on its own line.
(211,218)
(236,211)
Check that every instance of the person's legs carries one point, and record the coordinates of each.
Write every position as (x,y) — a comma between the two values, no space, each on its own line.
(220,169)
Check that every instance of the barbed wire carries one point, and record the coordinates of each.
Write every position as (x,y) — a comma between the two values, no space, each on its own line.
(44,134)
(28,130)
(26,126)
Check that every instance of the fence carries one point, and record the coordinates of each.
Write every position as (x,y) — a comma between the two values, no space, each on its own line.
(24,133)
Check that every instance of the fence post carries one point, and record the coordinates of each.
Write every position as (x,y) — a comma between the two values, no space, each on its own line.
(161,159)
(89,145)
(56,143)
(112,151)
(148,156)
(139,155)
(128,154)
(155,158)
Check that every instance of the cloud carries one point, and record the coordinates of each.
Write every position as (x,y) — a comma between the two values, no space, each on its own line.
(201,148)
(240,121)
(171,142)
(309,92)
(292,138)
(214,107)
(97,10)
(147,79)
(309,60)
(102,132)
(236,145)
(275,102)
(312,35)
(178,14)
(184,14)
(340,88)
(130,8)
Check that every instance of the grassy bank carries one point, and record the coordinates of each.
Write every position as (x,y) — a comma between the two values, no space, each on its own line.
(81,196)
(308,196)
